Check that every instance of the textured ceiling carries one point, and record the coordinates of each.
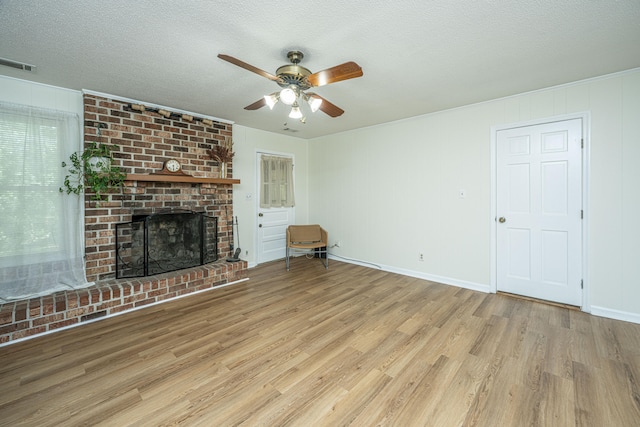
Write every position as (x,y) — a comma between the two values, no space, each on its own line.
(418,56)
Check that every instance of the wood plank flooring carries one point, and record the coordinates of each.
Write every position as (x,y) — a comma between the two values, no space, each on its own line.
(348,346)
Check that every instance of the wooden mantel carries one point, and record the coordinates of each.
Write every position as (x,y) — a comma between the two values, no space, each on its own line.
(181,178)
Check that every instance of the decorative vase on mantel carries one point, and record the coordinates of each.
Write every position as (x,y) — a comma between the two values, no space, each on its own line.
(223,154)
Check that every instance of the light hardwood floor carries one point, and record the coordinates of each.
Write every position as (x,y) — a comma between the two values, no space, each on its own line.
(348,346)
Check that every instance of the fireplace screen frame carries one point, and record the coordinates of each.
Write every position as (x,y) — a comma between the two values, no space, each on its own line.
(137,257)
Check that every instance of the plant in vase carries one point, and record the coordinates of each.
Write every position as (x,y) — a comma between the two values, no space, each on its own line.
(92,169)
(223,154)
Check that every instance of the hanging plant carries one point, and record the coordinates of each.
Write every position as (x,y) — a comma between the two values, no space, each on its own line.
(92,169)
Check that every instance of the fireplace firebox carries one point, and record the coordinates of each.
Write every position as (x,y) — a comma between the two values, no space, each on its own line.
(161,242)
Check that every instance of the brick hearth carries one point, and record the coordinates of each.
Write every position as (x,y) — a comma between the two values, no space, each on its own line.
(43,314)
(142,141)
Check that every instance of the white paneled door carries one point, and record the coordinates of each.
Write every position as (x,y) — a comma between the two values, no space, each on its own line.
(272,226)
(539,211)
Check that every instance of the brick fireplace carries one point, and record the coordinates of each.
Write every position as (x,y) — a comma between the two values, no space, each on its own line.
(143,139)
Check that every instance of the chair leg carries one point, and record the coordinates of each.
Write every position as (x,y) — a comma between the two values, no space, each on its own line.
(287,258)
(326,257)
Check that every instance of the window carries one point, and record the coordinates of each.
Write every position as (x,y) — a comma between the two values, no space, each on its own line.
(41,236)
(276,182)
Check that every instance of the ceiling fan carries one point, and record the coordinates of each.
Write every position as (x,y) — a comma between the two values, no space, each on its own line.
(295,79)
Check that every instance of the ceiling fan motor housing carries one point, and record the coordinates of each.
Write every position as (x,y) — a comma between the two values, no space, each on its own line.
(294,74)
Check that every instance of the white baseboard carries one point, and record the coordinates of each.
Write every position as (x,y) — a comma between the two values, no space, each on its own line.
(420,275)
(615,314)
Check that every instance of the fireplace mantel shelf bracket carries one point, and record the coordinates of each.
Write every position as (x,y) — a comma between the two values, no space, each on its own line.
(181,178)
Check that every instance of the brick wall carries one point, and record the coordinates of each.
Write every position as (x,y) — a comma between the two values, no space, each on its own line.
(142,141)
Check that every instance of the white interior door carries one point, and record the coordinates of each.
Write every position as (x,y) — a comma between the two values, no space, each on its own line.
(539,211)
(272,226)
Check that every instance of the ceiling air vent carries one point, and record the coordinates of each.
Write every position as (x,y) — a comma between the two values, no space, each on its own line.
(18,65)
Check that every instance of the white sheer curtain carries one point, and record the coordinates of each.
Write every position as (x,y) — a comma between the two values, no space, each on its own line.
(276,182)
(41,229)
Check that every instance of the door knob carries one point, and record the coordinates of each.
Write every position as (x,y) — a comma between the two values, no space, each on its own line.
(259,225)
(260,214)
(502,219)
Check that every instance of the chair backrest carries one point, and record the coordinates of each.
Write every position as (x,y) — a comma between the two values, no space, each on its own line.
(304,233)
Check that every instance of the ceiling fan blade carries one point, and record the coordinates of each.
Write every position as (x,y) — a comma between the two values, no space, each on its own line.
(248,67)
(258,104)
(327,107)
(348,70)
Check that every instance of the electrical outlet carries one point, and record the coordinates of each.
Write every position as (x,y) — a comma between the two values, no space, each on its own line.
(421,257)
(338,243)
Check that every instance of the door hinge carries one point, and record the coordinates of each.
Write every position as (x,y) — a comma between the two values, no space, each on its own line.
(581,214)
(581,142)
(581,284)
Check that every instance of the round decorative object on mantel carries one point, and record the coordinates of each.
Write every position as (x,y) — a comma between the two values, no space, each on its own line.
(172,167)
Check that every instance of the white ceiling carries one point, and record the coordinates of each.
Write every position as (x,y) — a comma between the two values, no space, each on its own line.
(418,56)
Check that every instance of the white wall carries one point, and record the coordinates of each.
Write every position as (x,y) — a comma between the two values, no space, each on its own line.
(247,143)
(390,192)
(38,95)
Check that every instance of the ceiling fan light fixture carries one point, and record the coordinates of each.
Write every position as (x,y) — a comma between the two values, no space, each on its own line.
(314,103)
(295,111)
(288,95)
(271,100)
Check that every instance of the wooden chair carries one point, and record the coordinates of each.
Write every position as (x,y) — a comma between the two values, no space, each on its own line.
(305,237)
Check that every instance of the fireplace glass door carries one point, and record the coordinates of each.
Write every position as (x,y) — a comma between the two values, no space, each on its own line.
(159,243)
